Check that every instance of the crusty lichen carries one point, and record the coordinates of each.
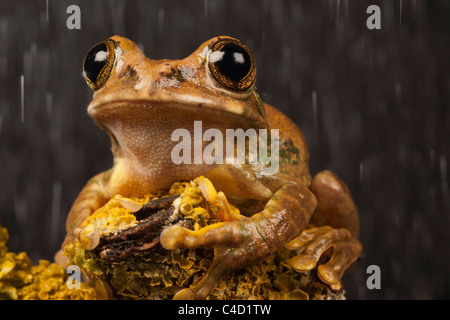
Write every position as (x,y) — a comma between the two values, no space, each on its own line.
(112,217)
(20,280)
(161,273)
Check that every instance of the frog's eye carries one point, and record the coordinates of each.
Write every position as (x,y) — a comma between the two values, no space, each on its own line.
(98,64)
(232,65)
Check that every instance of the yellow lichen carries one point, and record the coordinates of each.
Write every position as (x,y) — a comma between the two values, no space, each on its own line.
(20,280)
(160,274)
(113,217)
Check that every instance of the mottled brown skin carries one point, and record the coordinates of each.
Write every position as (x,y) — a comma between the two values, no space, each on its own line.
(144,101)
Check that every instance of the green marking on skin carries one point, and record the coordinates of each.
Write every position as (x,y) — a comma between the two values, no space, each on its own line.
(179,75)
(107,174)
(261,234)
(245,235)
(289,152)
(261,108)
(74,223)
(270,208)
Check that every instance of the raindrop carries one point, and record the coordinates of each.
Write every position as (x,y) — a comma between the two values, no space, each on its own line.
(444,182)
(361,172)
(56,211)
(22,98)
(4,32)
(49,103)
(33,54)
(346,9)
(314,105)
(160,20)
(3,65)
(117,15)
(338,6)
(27,65)
(20,210)
(432,156)
(398,92)
(141,46)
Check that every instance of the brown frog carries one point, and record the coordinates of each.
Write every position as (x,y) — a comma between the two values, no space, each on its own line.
(140,102)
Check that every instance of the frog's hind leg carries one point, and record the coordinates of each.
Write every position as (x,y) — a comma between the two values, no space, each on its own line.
(337,218)
(335,206)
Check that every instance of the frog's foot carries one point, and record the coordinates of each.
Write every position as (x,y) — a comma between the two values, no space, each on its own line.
(241,240)
(226,238)
(313,243)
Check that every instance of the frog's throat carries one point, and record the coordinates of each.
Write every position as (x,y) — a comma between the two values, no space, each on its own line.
(145,139)
(144,126)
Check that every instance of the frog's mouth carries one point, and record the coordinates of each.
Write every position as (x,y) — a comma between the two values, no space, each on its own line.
(177,111)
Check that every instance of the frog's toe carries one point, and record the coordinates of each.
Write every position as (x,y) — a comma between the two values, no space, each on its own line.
(320,240)
(344,255)
(312,243)
(174,237)
(185,294)
(223,262)
(229,240)
(218,234)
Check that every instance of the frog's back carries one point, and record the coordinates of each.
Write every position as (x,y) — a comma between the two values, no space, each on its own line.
(294,154)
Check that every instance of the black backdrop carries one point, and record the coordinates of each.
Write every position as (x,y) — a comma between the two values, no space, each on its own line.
(373,105)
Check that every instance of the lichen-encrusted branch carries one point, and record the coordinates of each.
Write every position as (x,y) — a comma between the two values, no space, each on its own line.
(144,237)
(154,206)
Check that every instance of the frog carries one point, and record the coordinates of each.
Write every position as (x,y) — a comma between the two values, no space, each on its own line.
(139,102)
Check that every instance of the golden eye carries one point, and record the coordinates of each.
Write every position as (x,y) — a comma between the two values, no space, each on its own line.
(232,65)
(98,63)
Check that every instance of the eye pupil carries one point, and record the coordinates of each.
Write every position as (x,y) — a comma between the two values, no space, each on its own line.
(235,62)
(232,65)
(93,64)
(98,64)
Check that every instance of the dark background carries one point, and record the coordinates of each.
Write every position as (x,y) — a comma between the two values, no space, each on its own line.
(372,104)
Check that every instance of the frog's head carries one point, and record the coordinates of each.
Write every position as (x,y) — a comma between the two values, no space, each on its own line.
(216,83)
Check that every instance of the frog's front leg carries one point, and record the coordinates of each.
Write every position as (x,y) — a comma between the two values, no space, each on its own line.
(91,197)
(247,240)
(337,228)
